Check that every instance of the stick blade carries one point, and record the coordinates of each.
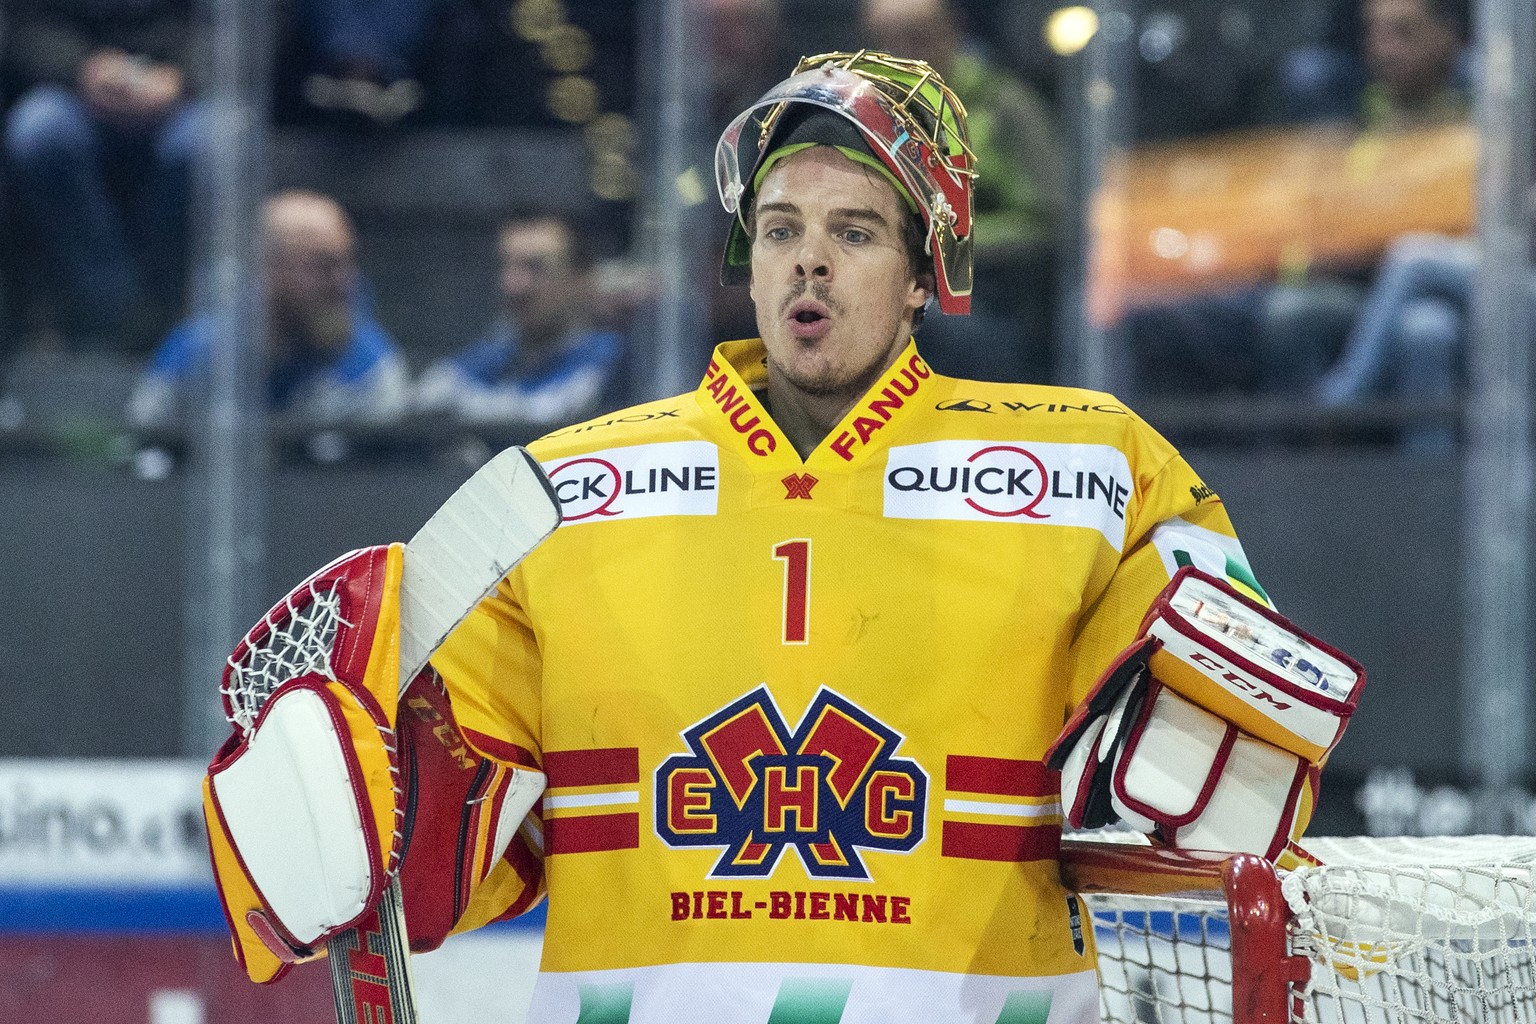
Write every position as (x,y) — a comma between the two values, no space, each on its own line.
(502,512)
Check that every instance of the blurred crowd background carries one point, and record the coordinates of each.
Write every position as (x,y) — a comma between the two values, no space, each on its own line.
(275,276)
(461,195)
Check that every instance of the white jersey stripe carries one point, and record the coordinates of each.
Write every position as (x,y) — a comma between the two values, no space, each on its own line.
(1003,810)
(555,803)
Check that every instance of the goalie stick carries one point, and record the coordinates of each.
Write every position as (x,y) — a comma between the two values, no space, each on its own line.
(502,512)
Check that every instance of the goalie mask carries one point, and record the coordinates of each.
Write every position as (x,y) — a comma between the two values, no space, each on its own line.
(893,114)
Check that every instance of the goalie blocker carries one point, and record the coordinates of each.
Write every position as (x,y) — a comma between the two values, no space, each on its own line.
(333,781)
(1210,731)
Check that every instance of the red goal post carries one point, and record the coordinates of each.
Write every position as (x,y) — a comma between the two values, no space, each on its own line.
(1409,931)
(1243,887)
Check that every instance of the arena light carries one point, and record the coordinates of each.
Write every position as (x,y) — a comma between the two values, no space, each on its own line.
(1068,29)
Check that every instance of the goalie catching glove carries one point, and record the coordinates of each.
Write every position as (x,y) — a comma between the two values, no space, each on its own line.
(1210,731)
(310,802)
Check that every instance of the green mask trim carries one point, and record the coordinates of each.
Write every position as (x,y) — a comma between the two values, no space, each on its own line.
(852,154)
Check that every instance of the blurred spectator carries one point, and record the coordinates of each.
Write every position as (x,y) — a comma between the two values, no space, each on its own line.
(1407,342)
(101,145)
(1018,195)
(327,359)
(1416,55)
(747,58)
(1280,337)
(364,54)
(1413,68)
(545,361)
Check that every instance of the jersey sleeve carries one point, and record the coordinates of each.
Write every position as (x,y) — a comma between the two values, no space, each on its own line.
(1178,521)
(491,670)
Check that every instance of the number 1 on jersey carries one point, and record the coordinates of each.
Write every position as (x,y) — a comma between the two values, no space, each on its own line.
(796,556)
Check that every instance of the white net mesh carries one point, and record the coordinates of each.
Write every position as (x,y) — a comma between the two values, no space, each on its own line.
(1419,929)
(1163,960)
(1397,930)
(298,640)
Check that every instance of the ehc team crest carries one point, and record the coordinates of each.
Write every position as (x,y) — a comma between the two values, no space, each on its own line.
(829,789)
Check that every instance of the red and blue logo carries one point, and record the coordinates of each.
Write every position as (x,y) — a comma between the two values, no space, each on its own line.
(829,789)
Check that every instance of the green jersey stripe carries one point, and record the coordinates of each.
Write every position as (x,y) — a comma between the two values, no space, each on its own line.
(810,1001)
(1025,1008)
(605,1004)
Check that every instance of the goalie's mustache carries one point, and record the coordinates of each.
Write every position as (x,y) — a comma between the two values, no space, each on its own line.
(819,291)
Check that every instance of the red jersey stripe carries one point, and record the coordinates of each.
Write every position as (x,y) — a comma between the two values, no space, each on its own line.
(592,832)
(605,766)
(1001,842)
(1000,776)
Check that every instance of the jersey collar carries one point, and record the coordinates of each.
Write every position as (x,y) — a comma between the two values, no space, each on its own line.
(739,369)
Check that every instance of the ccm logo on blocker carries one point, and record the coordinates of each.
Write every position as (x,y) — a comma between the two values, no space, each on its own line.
(993,481)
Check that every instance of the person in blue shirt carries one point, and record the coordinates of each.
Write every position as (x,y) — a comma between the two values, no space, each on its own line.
(544,361)
(328,360)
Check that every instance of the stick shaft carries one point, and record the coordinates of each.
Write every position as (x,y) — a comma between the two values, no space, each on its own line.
(370,967)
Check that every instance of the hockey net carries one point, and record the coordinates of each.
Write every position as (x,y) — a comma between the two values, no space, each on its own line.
(1402,930)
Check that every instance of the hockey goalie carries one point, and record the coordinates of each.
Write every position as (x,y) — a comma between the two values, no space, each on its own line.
(822,659)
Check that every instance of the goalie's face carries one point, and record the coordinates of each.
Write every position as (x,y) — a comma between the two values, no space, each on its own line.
(832,280)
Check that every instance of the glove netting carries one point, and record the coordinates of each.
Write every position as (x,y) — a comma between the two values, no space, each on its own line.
(293,639)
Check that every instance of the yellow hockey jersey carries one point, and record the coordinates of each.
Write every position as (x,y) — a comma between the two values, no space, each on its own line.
(793,713)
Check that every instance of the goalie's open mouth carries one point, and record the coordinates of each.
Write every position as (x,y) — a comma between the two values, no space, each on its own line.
(809,319)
